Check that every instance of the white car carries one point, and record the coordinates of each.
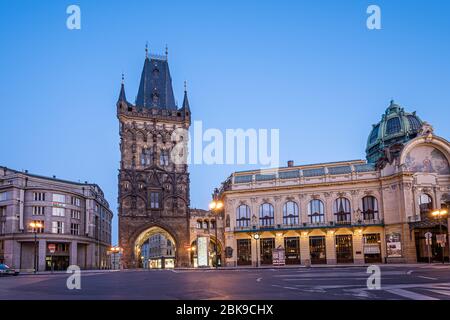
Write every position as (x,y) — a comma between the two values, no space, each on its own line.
(7,271)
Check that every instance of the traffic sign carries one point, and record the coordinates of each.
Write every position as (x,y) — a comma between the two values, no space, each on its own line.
(52,247)
(441,239)
(428,235)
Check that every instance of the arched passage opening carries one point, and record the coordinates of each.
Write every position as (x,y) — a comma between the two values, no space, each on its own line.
(155,248)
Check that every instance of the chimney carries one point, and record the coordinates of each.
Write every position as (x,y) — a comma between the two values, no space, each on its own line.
(290,163)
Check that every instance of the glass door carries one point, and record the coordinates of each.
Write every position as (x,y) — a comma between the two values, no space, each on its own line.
(292,250)
(344,249)
(317,250)
(244,252)
(267,246)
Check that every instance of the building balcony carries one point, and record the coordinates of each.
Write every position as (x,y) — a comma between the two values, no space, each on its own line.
(311,225)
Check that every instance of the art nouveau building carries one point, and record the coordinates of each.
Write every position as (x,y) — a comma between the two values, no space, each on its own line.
(357,211)
(73,223)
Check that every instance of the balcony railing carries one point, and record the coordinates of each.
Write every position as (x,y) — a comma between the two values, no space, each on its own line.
(311,225)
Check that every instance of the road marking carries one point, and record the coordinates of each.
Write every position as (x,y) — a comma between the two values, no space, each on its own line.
(429,278)
(258,280)
(410,294)
(443,292)
(409,272)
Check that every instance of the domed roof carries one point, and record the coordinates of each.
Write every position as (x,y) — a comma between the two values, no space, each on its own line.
(396,127)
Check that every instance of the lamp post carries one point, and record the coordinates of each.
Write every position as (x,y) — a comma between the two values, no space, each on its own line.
(216,207)
(256,236)
(439,214)
(35,226)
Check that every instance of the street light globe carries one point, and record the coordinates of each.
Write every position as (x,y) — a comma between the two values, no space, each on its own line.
(212,205)
(219,205)
(256,236)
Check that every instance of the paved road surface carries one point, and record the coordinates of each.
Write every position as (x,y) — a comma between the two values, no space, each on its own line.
(419,282)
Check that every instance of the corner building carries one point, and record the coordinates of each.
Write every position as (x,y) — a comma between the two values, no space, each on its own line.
(75,219)
(374,211)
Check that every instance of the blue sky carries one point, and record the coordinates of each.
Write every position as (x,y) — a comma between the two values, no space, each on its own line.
(310,68)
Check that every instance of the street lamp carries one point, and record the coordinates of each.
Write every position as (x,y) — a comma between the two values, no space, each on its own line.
(439,214)
(256,236)
(216,207)
(35,226)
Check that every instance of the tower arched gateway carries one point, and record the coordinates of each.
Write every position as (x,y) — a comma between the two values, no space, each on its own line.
(153,187)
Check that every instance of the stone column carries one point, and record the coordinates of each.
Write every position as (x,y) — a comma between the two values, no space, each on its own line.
(330,248)
(42,254)
(304,249)
(73,253)
(358,248)
(255,252)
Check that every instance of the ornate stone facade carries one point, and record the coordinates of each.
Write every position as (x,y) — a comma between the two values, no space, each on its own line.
(153,190)
(349,211)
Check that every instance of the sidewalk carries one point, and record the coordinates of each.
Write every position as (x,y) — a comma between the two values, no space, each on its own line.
(31,273)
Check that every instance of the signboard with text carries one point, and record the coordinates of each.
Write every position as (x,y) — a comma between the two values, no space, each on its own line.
(202,251)
(394,245)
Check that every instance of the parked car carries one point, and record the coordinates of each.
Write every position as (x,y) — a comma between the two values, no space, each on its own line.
(7,271)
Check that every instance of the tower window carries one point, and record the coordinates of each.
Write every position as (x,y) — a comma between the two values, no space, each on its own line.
(164,158)
(146,156)
(154,200)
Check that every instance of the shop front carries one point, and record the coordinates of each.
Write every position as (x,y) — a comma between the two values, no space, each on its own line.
(57,257)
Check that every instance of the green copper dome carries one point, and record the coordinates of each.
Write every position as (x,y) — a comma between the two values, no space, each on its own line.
(396,127)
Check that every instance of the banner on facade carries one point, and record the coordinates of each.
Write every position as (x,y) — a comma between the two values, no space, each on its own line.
(278,257)
(393,245)
(202,251)
(441,239)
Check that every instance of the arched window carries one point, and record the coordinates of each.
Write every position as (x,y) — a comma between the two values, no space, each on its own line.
(205,224)
(370,208)
(316,212)
(266,217)
(425,205)
(342,210)
(199,224)
(243,216)
(290,213)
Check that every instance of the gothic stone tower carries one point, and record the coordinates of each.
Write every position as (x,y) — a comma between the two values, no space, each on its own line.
(153,190)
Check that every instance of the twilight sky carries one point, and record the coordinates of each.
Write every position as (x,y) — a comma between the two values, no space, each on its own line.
(309,68)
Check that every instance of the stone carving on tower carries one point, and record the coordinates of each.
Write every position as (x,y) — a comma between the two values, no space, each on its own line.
(153,188)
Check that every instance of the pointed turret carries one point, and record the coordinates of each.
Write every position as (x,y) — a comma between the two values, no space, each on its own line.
(185,106)
(155,88)
(122,96)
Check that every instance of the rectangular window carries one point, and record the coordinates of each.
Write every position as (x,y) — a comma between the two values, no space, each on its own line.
(2,227)
(38,196)
(74,229)
(38,211)
(2,212)
(154,200)
(4,196)
(57,227)
(58,212)
(59,198)
(164,158)
(75,214)
(75,201)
